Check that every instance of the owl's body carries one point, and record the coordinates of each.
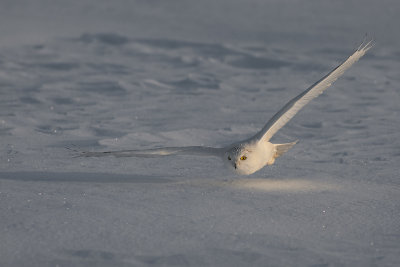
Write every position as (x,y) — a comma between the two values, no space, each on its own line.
(251,155)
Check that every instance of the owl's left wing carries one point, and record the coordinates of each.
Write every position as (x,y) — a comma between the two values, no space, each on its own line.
(156,152)
(284,115)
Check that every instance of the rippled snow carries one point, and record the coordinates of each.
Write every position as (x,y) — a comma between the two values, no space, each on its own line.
(331,200)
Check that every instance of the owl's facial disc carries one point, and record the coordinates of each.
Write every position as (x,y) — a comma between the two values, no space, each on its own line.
(248,158)
(236,157)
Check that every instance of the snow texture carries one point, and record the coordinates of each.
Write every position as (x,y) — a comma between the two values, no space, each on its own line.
(108,75)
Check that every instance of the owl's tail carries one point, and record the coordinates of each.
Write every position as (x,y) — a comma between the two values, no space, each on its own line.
(280,149)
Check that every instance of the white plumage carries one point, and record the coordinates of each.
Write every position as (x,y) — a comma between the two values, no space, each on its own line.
(294,105)
(252,154)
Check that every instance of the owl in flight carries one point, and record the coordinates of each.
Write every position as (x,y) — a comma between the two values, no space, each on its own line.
(250,155)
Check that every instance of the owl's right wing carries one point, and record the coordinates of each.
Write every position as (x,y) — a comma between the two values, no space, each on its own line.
(156,152)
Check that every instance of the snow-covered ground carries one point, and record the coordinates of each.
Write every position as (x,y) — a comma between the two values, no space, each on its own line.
(109,75)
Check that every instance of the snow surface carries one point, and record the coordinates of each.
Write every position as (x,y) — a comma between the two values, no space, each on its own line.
(105,75)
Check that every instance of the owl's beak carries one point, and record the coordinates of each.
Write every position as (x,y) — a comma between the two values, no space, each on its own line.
(235,166)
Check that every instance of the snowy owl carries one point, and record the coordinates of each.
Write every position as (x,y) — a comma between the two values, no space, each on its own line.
(251,155)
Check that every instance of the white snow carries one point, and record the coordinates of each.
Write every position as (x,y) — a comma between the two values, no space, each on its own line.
(106,75)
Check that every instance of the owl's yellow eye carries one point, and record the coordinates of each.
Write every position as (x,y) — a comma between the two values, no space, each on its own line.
(243,158)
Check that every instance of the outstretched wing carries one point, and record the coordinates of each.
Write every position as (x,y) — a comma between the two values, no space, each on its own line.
(284,115)
(156,152)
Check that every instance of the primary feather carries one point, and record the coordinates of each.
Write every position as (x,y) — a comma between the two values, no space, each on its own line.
(156,152)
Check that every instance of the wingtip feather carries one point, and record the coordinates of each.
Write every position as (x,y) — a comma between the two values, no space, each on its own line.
(366,45)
